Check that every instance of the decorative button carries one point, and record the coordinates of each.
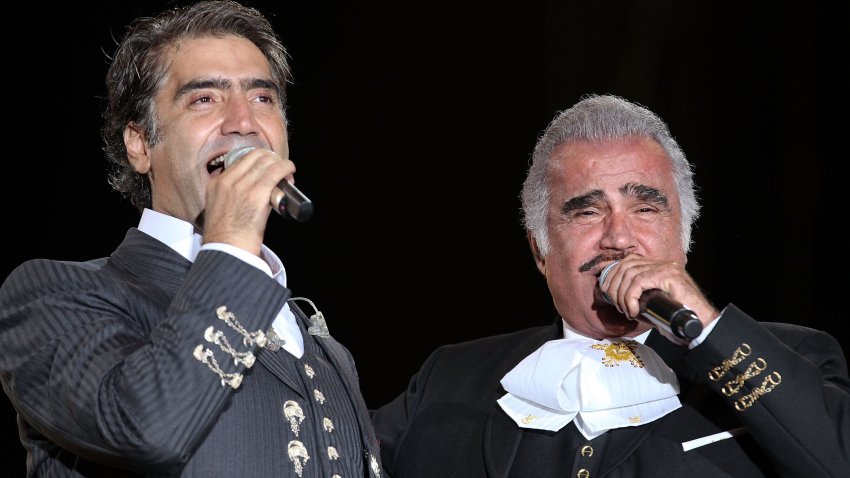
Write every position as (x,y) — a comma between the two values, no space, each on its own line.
(298,455)
(583,473)
(332,453)
(319,396)
(309,370)
(327,424)
(294,414)
(587,450)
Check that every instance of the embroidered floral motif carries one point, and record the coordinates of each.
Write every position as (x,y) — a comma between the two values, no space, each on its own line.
(617,352)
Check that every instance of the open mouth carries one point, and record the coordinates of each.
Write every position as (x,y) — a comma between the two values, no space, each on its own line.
(216,164)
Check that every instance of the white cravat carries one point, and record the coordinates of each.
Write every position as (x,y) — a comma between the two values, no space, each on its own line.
(599,384)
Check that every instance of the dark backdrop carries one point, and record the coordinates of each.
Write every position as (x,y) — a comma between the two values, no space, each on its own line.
(412,126)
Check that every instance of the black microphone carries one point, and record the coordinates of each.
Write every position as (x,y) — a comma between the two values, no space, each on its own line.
(293,204)
(662,311)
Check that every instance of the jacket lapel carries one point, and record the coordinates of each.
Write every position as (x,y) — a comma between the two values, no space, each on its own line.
(501,434)
(501,440)
(275,362)
(150,261)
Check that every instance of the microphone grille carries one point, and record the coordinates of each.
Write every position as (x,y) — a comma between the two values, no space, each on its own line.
(601,279)
(234,154)
(605,271)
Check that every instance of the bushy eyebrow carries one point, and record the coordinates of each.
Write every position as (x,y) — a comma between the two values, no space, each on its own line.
(583,201)
(640,191)
(646,194)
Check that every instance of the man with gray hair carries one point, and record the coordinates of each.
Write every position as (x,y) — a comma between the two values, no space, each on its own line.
(640,375)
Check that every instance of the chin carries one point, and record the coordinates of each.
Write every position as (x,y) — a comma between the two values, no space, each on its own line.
(615,323)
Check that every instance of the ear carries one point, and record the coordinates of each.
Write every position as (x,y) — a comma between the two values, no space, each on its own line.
(137,148)
(535,251)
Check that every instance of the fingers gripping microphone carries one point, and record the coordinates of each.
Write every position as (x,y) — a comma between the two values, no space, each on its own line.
(658,308)
(293,204)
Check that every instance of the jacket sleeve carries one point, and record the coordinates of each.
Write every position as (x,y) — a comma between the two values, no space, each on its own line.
(788,385)
(107,367)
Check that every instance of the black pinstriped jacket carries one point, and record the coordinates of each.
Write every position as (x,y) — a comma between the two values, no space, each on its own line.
(99,360)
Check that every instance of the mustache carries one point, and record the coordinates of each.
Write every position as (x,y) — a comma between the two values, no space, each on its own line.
(614,256)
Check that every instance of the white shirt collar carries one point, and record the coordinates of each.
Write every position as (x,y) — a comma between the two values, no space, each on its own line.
(174,233)
(570,333)
(180,236)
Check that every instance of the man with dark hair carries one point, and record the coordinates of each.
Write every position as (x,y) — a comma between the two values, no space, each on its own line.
(183,352)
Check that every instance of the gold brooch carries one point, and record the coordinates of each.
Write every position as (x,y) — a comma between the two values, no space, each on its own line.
(617,352)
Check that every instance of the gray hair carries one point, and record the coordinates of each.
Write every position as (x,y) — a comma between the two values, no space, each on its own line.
(600,118)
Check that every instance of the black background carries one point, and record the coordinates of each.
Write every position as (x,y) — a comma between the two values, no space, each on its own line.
(412,125)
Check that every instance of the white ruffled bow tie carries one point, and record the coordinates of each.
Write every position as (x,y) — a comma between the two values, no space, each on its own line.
(599,384)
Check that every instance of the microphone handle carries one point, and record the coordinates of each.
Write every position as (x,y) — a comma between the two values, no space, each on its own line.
(657,307)
(294,203)
(660,310)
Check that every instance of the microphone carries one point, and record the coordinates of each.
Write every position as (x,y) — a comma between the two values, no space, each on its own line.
(294,204)
(662,311)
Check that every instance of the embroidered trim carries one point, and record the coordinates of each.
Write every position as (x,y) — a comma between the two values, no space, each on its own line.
(733,386)
(740,354)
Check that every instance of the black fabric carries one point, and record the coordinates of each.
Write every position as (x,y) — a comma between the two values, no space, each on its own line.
(548,454)
(98,361)
(448,423)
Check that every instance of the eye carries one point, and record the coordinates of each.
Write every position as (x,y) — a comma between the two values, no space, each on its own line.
(201,99)
(264,96)
(647,210)
(584,216)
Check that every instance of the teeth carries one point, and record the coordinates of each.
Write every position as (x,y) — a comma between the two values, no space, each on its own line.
(215,164)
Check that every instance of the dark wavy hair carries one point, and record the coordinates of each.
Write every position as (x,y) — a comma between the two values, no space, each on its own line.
(139,67)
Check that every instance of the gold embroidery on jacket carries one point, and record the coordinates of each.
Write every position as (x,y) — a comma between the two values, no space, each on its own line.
(740,354)
(770,382)
(734,385)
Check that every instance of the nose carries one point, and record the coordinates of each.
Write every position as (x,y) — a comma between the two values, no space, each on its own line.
(617,232)
(239,117)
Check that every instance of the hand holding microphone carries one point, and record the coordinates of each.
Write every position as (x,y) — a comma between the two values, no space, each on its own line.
(291,203)
(662,311)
